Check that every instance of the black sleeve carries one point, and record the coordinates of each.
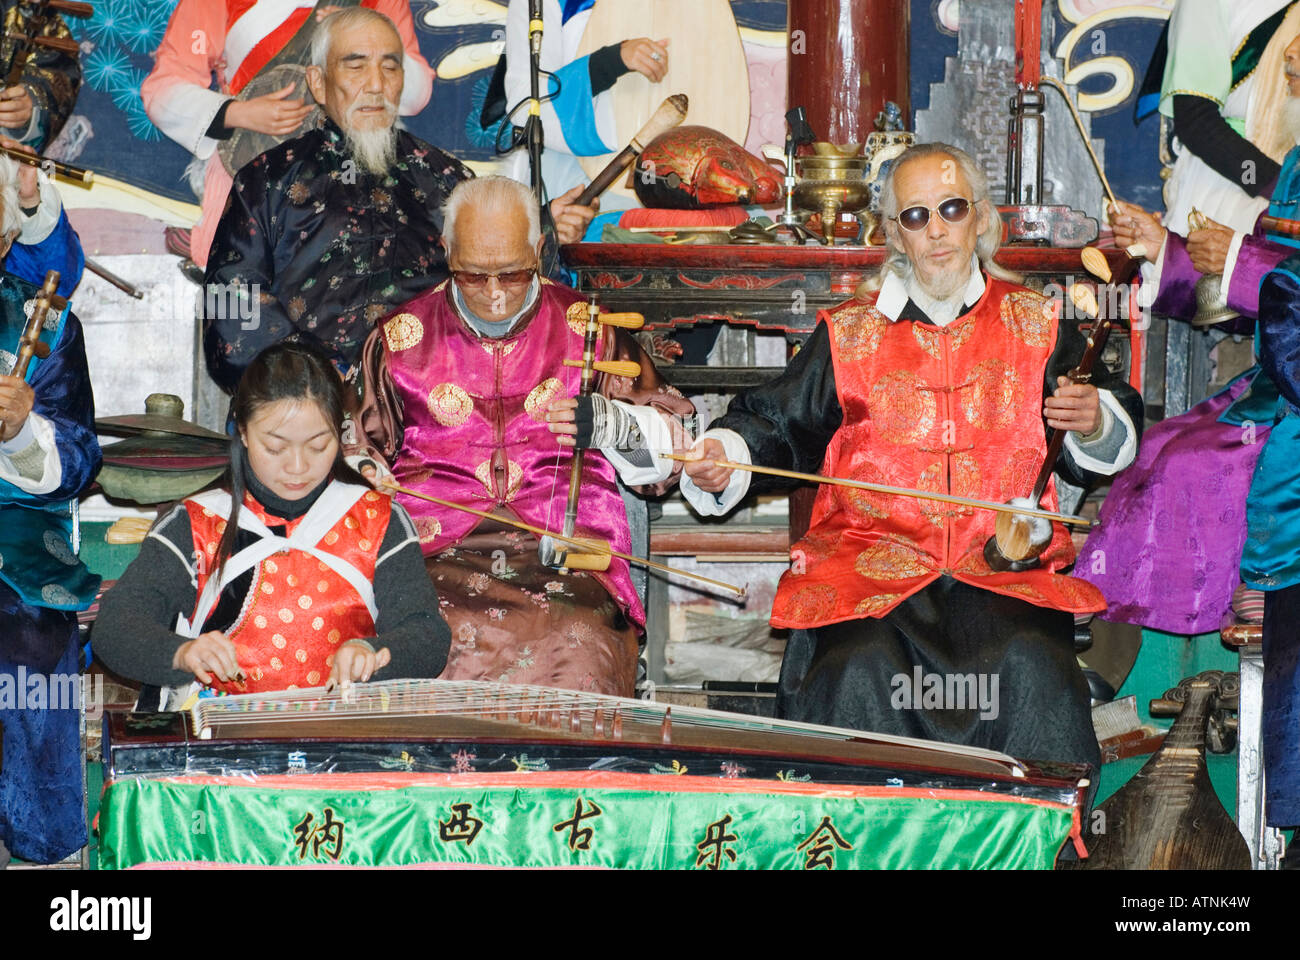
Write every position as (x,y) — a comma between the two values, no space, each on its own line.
(1202,129)
(605,66)
(134,633)
(217,129)
(789,422)
(1070,347)
(410,624)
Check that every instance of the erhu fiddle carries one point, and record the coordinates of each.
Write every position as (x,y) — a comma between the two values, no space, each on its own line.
(1020,537)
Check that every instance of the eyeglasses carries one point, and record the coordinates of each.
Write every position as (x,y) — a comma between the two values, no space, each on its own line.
(952,210)
(511,278)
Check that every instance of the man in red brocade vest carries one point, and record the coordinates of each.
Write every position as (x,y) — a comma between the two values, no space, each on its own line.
(939,379)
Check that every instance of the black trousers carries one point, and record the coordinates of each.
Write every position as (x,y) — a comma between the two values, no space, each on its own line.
(852,674)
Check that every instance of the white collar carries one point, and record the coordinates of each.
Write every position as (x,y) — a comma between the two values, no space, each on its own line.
(893,294)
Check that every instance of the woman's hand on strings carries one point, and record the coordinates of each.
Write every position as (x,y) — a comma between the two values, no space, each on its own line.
(704,473)
(207,655)
(355,661)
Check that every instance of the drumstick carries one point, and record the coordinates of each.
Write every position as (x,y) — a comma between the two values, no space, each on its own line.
(670,114)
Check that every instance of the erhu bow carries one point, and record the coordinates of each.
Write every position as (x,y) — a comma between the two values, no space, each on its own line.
(1015,545)
(30,344)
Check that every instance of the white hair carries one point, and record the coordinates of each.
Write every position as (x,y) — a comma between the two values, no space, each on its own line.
(323,39)
(986,246)
(11,216)
(500,195)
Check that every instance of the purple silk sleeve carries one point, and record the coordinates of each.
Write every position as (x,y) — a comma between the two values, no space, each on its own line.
(1177,294)
(1256,258)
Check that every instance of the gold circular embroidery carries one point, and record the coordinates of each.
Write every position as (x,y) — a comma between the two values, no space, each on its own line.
(576,317)
(286,615)
(292,580)
(300,655)
(1020,472)
(270,566)
(858,331)
(1028,316)
(304,601)
(866,502)
(875,604)
(890,560)
(993,394)
(900,410)
(276,664)
(540,397)
(812,602)
(334,636)
(428,528)
(403,331)
(450,405)
(279,641)
(259,621)
(318,623)
(314,677)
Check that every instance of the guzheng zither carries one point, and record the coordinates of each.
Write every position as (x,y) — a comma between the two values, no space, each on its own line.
(412,773)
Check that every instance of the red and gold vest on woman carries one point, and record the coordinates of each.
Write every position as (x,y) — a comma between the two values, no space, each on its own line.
(474,426)
(298,610)
(954,409)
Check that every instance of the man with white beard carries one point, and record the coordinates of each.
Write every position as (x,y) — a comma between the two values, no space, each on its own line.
(942,378)
(326,233)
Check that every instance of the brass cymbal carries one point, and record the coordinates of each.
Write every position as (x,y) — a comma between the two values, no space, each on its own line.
(133,423)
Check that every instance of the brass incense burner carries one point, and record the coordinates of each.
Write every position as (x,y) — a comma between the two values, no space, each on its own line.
(833,184)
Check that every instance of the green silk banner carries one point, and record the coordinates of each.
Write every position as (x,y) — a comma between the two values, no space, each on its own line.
(587,819)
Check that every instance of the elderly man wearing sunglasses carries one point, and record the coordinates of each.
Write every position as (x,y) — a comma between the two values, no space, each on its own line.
(468,399)
(941,374)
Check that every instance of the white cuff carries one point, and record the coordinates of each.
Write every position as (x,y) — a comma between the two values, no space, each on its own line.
(40,431)
(1151,272)
(716,505)
(657,437)
(41,224)
(1114,417)
(185,113)
(1229,264)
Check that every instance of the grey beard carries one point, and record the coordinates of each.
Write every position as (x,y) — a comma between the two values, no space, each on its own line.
(1291,118)
(374,150)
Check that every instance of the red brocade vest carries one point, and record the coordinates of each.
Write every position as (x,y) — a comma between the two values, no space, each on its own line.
(298,610)
(954,409)
(474,426)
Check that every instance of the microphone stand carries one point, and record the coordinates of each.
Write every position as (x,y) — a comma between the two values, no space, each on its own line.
(533,126)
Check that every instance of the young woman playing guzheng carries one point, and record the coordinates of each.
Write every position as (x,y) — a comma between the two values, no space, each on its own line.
(321,578)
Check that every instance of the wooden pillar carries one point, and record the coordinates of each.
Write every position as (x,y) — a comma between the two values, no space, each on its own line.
(846,58)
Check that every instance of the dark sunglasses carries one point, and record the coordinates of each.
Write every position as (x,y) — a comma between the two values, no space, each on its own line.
(952,210)
(513,278)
